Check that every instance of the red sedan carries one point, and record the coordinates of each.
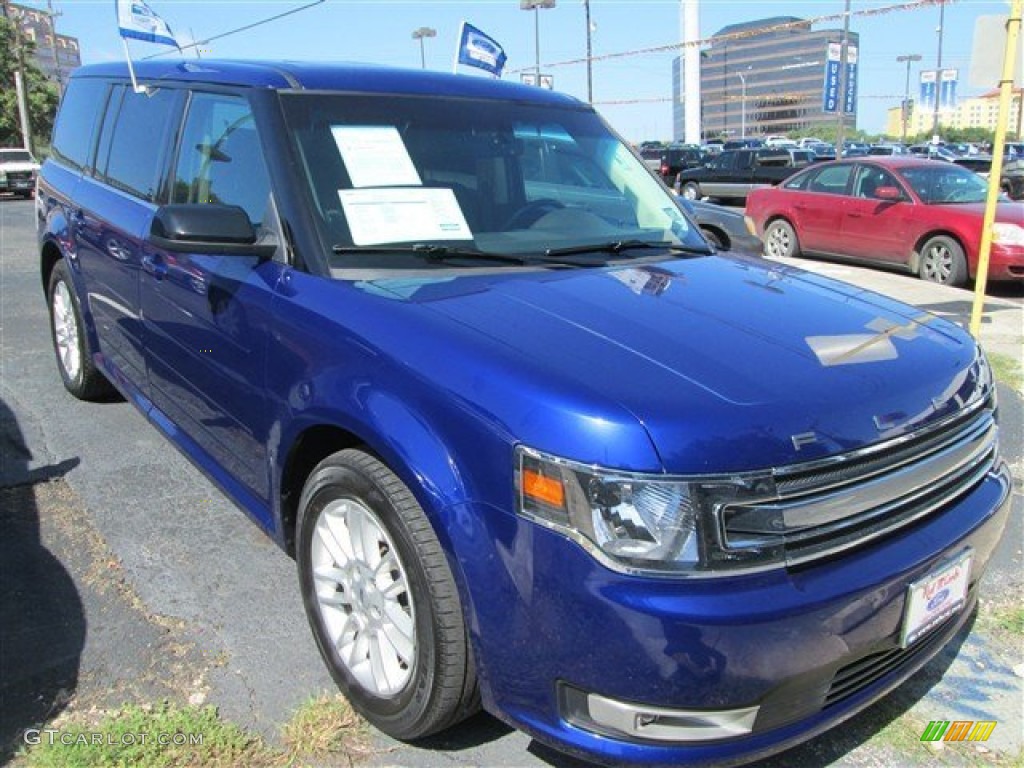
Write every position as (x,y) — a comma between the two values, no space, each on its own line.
(915,214)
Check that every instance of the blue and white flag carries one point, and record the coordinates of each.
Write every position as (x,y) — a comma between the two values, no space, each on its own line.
(135,19)
(478,50)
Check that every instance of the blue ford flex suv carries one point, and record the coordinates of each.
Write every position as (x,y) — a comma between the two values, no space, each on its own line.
(534,445)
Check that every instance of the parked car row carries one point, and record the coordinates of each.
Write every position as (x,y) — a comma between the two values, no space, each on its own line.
(910,213)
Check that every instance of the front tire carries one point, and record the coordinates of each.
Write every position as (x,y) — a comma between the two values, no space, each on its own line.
(381,599)
(943,262)
(714,239)
(780,240)
(70,341)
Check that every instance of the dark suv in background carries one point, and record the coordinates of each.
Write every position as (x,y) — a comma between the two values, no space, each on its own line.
(676,159)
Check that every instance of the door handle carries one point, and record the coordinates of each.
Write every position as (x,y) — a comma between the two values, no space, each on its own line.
(154,265)
(855,215)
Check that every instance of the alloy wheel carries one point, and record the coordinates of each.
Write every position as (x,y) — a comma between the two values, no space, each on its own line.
(65,329)
(363,597)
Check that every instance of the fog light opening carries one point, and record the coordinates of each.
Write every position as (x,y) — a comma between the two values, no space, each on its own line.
(640,722)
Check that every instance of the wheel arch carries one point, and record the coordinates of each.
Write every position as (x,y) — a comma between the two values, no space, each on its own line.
(719,233)
(391,431)
(309,448)
(49,255)
(778,216)
(915,254)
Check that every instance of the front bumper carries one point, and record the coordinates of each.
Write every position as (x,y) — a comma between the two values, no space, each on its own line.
(1006,262)
(808,647)
(15,183)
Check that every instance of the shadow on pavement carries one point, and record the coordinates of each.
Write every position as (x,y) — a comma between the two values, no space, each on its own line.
(42,622)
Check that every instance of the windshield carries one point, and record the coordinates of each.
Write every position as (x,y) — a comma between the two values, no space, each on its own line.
(489,176)
(943,183)
(15,156)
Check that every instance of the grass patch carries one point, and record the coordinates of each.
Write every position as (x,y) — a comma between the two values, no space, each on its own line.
(162,736)
(324,726)
(1009,619)
(324,729)
(902,737)
(1007,370)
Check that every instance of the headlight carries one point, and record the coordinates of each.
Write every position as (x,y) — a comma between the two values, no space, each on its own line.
(1006,233)
(630,522)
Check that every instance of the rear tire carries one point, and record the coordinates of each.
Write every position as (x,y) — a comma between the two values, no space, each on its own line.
(381,599)
(691,191)
(943,262)
(780,240)
(70,340)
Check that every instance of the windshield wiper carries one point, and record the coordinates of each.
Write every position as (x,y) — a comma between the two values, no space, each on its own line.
(618,246)
(435,252)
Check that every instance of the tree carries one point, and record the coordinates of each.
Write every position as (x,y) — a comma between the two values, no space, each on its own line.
(42,94)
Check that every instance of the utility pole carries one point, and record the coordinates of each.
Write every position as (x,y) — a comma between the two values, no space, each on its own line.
(938,69)
(19,78)
(52,15)
(841,106)
(590,67)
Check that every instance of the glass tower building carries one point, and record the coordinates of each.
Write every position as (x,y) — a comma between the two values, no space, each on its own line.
(767,76)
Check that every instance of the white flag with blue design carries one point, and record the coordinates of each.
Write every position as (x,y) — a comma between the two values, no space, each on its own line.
(135,19)
(478,50)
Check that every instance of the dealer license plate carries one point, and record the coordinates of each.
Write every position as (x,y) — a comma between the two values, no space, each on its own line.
(936,597)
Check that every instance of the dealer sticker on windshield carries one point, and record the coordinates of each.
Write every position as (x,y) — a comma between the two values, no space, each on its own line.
(936,597)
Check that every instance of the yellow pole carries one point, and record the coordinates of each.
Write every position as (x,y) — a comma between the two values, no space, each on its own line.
(1005,96)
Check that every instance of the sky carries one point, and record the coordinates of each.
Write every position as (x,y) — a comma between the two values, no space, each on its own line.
(380,31)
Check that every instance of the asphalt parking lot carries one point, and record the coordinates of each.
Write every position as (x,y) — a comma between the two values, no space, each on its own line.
(147,583)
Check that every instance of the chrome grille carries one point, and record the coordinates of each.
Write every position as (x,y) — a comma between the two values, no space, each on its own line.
(828,506)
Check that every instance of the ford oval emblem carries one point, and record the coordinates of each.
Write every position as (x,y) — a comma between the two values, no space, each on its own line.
(938,600)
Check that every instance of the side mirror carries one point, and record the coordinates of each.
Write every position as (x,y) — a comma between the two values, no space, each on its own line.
(207,228)
(892,194)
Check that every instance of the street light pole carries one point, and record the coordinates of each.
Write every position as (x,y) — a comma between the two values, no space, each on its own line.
(535,6)
(905,112)
(419,34)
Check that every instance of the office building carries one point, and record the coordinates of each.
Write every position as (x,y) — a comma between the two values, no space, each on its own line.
(765,77)
(55,54)
(979,112)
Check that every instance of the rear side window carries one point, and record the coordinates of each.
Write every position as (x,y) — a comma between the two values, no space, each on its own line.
(76,122)
(221,160)
(138,142)
(831,180)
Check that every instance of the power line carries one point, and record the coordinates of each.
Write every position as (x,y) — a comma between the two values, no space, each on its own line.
(247,27)
(747,33)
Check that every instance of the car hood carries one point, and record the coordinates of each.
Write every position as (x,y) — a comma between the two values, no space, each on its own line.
(8,167)
(729,364)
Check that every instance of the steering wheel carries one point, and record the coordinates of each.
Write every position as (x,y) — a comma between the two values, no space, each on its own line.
(529,214)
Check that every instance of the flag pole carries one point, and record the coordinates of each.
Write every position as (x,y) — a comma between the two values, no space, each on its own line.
(131,70)
(458,47)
